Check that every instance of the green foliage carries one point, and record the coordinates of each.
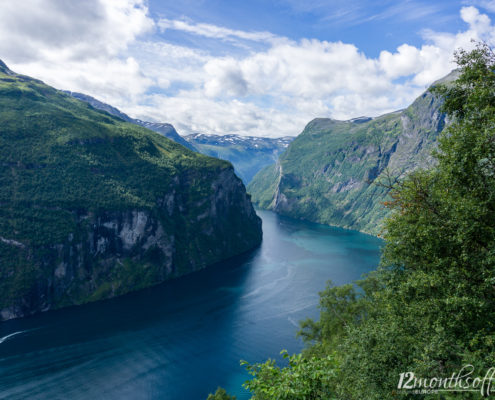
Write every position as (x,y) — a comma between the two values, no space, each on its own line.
(220,394)
(340,308)
(436,310)
(430,307)
(305,378)
(59,153)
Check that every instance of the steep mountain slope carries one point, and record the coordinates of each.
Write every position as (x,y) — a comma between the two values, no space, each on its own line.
(248,154)
(329,173)
(92,207)
(164,129)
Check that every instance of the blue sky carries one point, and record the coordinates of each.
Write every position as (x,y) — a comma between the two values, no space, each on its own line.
(252,67)
(371,25)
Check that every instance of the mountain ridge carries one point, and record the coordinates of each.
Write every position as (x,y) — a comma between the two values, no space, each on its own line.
(93,207)
(325,174)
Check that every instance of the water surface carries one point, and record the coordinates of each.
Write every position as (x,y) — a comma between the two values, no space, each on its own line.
(180,340)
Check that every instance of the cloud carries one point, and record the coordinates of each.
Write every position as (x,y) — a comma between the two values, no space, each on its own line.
(339,76)
(355,12)
(74,29)
(113,50)
(224,77)
(191,111)
(407,10)
(215,32)
(79,45)
(488,5)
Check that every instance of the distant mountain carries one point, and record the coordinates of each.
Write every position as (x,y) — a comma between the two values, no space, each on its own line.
(92,207)
(164,129)
(328,174)
(248,154)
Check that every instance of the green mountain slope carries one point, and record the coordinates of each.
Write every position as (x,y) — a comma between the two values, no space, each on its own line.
(92,207)
(164,129)
(248,154)
(328,174)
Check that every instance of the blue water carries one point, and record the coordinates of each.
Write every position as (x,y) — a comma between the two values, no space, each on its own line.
(182,339)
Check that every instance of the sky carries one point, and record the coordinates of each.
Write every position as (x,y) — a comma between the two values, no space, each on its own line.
(248,67)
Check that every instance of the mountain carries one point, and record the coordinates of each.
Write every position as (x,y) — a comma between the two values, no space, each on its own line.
(164,129)
(248,154)
(92,207)
(329,173)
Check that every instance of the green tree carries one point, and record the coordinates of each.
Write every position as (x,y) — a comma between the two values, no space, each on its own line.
(340,308)
(220,394)
(430,307)
(435,310)
(305,378)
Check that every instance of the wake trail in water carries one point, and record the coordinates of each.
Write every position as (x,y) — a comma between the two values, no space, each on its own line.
(291,320)
(10,335)
(275,283)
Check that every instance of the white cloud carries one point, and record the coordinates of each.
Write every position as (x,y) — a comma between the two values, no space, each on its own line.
(488,5)
(77,45)
(216,32)
(37,29)
(104,48)
(343,81)
(191,111)
(355,12)
(224,77)
(328,78)
(406,61)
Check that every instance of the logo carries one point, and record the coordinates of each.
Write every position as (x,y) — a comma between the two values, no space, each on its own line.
(461,381)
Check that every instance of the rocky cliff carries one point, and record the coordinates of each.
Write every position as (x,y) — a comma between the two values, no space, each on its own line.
(92,207)
(331,172)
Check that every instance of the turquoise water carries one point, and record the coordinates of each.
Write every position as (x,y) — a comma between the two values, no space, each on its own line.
(180,340)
